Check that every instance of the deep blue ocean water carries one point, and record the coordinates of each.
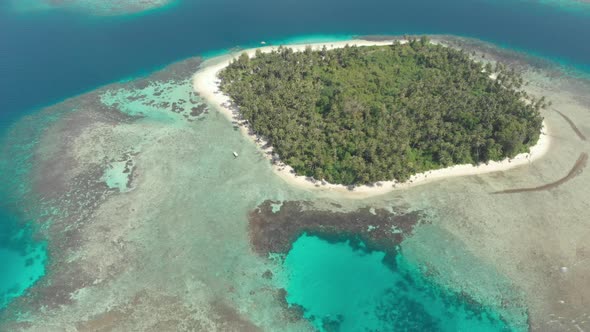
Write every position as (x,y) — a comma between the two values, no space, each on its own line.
(47,57)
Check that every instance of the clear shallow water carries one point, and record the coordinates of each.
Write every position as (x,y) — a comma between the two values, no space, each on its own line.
(352,288)
(22,259)
(22,256)
(23,253)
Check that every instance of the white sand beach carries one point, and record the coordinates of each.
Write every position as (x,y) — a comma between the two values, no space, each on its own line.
(206,84)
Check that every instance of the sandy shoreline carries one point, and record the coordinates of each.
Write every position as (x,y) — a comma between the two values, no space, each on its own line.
(206,84)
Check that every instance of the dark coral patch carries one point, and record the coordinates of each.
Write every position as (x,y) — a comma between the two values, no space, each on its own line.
(198,110)
(291,312)
(378,229)
(267,274)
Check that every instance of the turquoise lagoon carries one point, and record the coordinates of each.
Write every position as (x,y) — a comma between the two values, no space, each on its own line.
(348,288)
(22,259)
(22,254)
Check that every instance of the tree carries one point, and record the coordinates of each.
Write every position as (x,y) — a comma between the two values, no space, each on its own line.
(358,115)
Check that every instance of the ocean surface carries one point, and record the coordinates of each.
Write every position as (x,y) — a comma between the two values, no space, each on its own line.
(48,57)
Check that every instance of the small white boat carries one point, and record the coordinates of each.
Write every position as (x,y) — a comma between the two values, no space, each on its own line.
(235,154)
(263,42)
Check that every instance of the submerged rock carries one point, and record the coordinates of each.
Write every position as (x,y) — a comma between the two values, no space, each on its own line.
(274,231)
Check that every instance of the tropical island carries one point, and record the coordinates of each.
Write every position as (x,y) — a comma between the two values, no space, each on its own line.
(359,115)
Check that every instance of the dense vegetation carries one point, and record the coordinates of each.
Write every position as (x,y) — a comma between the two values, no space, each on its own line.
(358,115)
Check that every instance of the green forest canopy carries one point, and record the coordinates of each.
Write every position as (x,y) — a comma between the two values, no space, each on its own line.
(359,115)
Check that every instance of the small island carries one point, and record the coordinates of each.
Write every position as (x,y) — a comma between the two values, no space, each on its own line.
(357,115)
(92,7)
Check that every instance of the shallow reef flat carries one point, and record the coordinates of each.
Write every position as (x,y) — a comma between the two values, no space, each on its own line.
(92,7)
(153,225)
(529,223)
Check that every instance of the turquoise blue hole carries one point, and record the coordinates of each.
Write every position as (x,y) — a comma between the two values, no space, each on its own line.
(346,288)
(22,258)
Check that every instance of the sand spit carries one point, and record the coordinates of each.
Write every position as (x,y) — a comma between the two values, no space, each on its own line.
(578,167)
(572,124)
(206,84)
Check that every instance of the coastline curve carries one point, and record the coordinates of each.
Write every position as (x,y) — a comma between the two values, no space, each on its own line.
(207,84)
(578,168)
